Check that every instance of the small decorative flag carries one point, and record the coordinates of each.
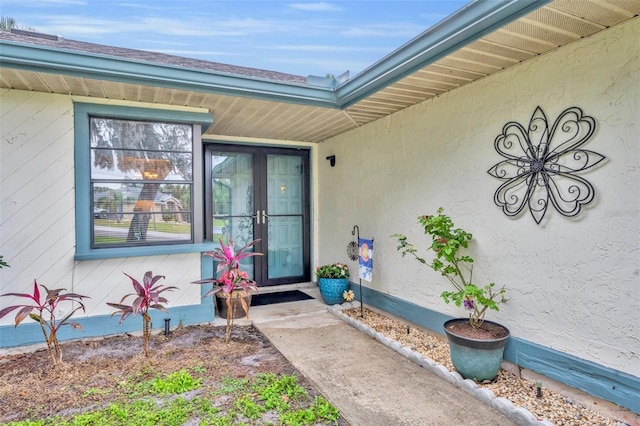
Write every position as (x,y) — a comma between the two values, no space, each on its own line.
(365,266)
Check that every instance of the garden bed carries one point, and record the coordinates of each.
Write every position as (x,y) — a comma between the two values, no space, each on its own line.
(553,406)
(191,376)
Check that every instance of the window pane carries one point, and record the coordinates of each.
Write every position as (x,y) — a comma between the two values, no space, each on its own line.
(140,135)
(140,165)
(141,213)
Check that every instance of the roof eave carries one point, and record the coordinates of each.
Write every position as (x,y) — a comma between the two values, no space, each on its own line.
(468,24)
(102,67)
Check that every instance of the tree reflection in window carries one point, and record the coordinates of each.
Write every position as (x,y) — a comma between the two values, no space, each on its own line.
(141,176)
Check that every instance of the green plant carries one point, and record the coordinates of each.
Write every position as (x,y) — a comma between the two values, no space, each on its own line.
(457,268)
(231,278)
(232,386)
(320,409)
(46,314)
(245,402)
(148,297)
(249,408)
(325,410)
(3,264)
(175,383)
(333,270)
(276,392)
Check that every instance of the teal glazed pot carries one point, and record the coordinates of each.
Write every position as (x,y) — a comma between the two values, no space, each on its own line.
(331,289)
(476,359)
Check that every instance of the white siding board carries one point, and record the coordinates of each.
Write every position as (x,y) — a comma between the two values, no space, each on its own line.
(37,212)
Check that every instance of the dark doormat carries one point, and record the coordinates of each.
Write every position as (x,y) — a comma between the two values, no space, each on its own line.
(278,297)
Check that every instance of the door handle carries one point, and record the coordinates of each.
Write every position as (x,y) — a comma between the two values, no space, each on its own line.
(264,217)
(257,217)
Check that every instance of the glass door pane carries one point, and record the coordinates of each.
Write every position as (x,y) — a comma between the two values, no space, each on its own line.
(262,193)
(285,216)
(233,200)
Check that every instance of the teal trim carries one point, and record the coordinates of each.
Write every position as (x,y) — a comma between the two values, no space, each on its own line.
(470,23)
(595,379)
(102,67)
(135,113)
(207,270)
(106,325)
(396,306)
(475,20)
(82,112)
(122,252)
(606,383)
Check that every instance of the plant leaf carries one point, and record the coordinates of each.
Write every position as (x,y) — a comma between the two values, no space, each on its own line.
(136,285)
(22,314)
(9,309)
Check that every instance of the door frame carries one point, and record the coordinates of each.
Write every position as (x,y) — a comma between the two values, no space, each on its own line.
(260,152)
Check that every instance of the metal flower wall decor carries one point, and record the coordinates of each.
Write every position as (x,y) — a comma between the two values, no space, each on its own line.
(541,163)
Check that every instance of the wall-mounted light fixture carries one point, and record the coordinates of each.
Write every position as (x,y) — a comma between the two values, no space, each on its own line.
(332,160)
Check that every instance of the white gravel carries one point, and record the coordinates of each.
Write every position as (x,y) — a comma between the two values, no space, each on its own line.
(552,406)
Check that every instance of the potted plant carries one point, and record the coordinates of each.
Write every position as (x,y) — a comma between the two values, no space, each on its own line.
(333,282)
(233,287)
(476,345)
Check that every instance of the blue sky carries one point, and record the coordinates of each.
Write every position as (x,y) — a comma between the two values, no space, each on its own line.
(296,37)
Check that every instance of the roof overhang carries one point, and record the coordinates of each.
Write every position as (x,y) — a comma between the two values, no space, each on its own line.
(466,25)
(482,38)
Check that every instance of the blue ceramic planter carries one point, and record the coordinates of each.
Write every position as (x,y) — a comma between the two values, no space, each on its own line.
(476,359)
(331,289)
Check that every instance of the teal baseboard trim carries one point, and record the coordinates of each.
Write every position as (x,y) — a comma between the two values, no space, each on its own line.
(597,380)
(28,333)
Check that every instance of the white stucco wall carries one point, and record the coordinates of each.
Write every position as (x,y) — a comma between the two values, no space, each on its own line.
(573,283)
(37,232)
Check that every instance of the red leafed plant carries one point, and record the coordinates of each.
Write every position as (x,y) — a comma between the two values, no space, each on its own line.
(147,296)
(46,314)
(232,278)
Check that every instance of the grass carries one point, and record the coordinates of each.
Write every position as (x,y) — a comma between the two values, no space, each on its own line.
(160,226)
(266,400)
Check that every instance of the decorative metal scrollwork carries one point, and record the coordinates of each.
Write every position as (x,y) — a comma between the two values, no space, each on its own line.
(541,164)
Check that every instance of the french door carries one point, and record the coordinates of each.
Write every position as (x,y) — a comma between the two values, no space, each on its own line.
(261,193)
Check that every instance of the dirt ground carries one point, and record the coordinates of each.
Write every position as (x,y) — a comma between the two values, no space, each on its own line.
(93,370)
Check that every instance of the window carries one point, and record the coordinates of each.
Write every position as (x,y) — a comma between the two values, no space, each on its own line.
(141,182)
(135,187)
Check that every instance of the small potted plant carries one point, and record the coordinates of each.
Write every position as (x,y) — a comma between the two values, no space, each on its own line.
(333,281)
(474,332)
(233,287)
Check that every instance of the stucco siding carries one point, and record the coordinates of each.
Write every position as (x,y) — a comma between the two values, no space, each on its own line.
(572,282)
(37,235)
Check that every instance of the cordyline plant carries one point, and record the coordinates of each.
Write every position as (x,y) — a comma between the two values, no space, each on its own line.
(147,296)
(458,269)
(46,314)
(231,278)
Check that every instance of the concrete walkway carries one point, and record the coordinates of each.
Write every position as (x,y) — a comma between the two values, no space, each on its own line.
(368,382)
